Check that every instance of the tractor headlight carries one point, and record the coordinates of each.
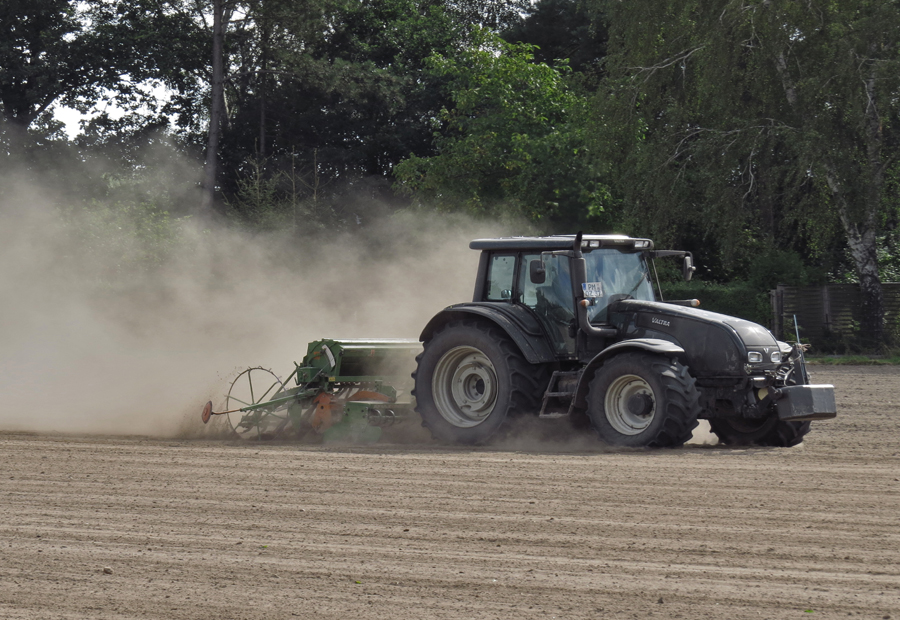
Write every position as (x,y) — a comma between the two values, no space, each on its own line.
(775,357)
(754,357)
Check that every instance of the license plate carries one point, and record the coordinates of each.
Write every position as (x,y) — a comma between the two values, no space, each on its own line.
(592,290)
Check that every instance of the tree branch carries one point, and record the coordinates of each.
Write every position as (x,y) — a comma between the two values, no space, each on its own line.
(667,63)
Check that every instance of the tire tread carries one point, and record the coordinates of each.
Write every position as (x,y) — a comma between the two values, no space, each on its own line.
(682,399)
(526,388)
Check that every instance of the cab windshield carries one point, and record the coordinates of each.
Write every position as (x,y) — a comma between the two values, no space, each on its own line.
(609,273)
(612,272)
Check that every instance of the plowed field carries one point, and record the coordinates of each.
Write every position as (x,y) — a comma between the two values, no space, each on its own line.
(113,527)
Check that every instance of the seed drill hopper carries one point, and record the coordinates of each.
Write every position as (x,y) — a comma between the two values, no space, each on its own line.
(342,390)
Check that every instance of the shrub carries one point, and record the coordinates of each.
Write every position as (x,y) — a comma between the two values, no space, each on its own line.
(740,299)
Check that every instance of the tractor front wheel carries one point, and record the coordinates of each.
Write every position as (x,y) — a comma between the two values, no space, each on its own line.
(643,400)
(767,432)
(470,378)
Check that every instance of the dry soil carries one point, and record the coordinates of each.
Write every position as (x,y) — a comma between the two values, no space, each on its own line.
(113,527)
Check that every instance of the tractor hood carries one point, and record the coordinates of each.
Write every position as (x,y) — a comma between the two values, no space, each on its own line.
(713,342)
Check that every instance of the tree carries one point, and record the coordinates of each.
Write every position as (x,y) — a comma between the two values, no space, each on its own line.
(221,14)
(493,15)
(561,30)
(511,139)
(332,89)
(771,119)
(76,53)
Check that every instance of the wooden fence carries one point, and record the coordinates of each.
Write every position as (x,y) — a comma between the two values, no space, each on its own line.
(825,313)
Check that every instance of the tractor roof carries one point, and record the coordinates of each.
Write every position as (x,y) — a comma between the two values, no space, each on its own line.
(561,242)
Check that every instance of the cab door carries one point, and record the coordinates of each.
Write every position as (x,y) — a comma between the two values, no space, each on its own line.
(551,301)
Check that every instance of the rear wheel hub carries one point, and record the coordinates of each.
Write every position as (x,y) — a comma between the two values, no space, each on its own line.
(465,386)
(640,404)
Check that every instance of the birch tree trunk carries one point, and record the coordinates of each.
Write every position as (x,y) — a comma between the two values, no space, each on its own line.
(860,221)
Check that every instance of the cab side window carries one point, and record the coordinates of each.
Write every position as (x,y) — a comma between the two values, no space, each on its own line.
(501,271)
(551,300)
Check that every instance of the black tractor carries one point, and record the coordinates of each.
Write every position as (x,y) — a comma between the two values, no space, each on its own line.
(570,326)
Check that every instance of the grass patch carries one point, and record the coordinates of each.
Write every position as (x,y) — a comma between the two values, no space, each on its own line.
(892,359)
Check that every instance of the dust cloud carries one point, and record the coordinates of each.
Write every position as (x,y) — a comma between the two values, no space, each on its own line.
(103,331)
(94,340)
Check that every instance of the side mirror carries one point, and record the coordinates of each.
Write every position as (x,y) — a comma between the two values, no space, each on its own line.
(688,268)
(536,272)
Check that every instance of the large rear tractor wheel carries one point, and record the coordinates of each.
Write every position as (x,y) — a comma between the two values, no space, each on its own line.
(643,400)
(470,379)
(766,432)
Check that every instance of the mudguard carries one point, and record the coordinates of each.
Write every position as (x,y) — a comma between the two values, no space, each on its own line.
(651,345)
(518,323)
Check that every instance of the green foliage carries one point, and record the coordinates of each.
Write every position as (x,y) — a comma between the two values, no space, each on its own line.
(285,201)
(774,266)
(510,140)
(772,122)
(845,342)
(887,251)
(77,53)
(561,30)
(336,88)
(491,14)
(855,360)
(116,219)
(889,258)
(740,299)
(690,132)
(713,137)
(120,240)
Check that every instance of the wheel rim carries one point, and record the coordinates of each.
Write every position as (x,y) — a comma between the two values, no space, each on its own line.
(251,387)
(629,404)
(465,387)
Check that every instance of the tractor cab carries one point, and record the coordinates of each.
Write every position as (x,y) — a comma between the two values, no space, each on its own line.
(536,273)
